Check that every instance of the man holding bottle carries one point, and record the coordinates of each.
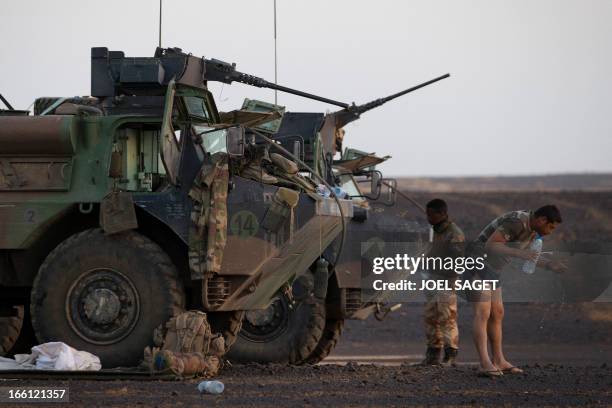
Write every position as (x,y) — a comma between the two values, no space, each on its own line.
(511,235)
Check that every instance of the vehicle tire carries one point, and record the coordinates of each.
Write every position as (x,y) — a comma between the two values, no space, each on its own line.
(329,339)
(10,327)
(228,324)
(285,332)
(105,294)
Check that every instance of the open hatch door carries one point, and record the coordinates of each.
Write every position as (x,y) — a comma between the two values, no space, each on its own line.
(170,148)
(357,161)
(248,118)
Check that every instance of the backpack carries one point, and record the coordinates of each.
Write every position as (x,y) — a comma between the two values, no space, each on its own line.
(189,347)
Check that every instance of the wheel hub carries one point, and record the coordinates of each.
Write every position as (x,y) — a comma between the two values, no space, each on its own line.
(267,324)
(102,306)
(261,317)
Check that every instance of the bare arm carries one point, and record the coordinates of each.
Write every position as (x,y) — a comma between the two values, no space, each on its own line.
(497,243)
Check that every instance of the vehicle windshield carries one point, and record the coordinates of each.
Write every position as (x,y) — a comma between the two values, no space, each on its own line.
(213,141)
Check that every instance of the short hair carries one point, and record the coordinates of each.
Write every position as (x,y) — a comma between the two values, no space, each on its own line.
(438,205)
(551,212)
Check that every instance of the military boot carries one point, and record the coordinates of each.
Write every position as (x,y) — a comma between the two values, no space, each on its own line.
(287,166)
(255,172)
(432,356)
(450,355)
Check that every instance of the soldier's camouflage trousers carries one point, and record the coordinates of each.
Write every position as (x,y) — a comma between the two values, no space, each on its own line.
(441,319)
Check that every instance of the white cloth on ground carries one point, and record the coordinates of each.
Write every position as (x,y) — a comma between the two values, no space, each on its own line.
(53,356)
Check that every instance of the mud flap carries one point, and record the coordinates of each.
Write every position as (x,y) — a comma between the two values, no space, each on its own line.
(117,213)
(280,209)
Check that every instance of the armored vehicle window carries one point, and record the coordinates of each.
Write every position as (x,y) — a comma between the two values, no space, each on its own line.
(196,107)
(213,141)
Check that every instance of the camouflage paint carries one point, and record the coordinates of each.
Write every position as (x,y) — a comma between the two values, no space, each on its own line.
(24,215)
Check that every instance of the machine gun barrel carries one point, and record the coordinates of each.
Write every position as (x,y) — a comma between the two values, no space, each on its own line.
(307,95)
(359,109)
(353,112)
(225,72)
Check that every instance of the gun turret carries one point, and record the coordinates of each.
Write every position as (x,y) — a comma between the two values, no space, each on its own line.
(113,74)
(225,72)
(353,112)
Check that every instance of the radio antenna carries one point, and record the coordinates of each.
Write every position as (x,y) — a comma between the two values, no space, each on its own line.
(160,22)
(275,59)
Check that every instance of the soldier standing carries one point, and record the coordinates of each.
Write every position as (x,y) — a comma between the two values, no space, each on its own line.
(441,305)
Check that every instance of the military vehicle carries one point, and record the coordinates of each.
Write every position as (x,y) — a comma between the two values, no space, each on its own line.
(293,328)
(120,209)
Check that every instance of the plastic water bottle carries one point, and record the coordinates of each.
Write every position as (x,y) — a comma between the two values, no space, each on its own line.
(322,190)
(340,193)
(536,245)
(211,387)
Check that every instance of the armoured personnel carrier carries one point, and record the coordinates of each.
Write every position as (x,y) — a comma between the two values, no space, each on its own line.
(119,209)
(295,327)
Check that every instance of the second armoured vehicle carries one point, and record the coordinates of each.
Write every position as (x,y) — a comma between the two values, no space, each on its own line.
(295,327)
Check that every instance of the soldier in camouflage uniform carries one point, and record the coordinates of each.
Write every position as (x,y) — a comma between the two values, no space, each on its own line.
(441,306)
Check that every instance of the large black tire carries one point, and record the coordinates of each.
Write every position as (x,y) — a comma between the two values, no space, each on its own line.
(331,335)
(291,340)
(10,327)
(228,324)
(105,294)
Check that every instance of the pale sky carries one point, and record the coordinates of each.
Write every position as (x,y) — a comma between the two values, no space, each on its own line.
(530,88)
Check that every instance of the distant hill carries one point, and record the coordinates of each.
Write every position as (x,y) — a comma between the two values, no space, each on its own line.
(557,182)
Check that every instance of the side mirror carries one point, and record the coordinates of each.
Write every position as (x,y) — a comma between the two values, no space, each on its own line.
(389,193)
(375,178)
(297,148)
(293,143)
(235,141)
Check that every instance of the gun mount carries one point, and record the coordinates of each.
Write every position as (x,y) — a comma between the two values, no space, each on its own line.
(114,74)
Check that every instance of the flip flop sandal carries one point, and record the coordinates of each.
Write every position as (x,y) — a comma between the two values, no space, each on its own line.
(490,373)
(512,370)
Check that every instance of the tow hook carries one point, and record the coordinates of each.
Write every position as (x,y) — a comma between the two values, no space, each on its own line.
(383,310)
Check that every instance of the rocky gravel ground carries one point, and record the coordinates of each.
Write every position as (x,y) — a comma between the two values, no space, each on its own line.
(354,385)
